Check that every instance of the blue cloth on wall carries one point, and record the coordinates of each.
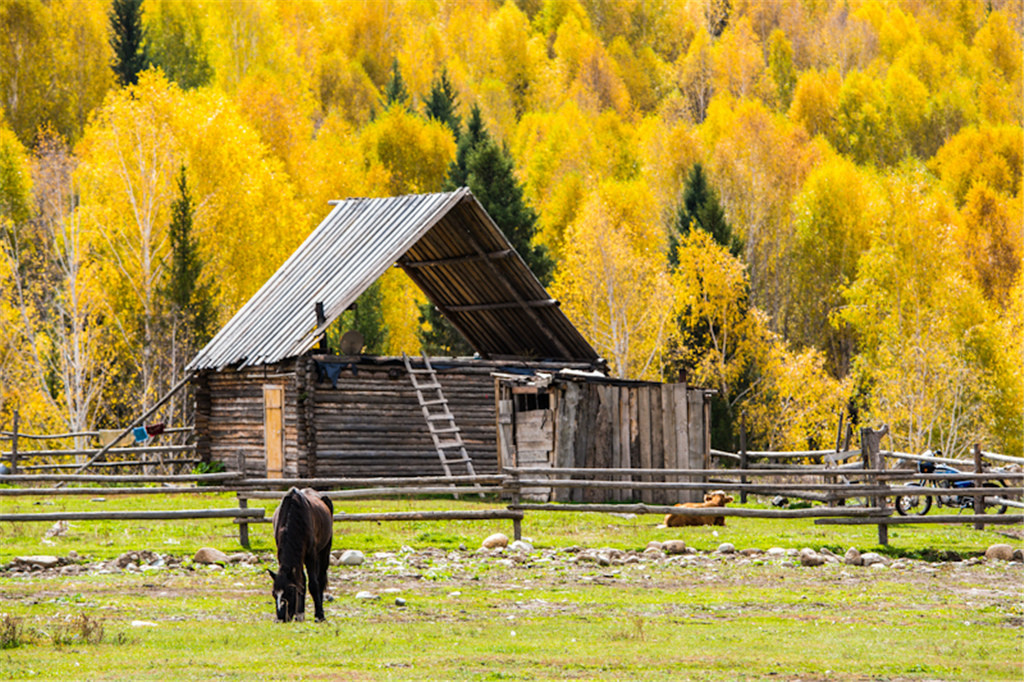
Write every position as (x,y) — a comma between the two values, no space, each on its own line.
(330,371)
(140,434)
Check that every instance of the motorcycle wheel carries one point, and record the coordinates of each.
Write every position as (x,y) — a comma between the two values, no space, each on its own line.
(913,505)
(990,504)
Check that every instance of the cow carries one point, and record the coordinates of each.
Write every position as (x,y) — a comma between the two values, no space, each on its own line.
(716,498)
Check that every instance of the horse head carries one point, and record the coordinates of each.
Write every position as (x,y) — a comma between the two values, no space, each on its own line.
(289,596)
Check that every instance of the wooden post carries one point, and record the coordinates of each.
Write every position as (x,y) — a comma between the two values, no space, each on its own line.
(743,454)
(979,501)
(870,443)
(14,445)
(517,523)
(243,524)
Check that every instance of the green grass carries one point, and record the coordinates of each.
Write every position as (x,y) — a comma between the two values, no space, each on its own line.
(475,618)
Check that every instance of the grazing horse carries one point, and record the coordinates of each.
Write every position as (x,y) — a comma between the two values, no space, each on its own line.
(303,530)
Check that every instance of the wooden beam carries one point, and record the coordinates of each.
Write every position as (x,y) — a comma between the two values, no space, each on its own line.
(471,307)
(454,260)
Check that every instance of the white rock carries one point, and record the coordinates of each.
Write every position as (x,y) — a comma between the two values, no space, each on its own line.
(999,552)
(209,555)
(520,546)
(43,560)
(808,557)
(853,557)
(776,552)
(351,557)
(367,596)
(494,541)
(654,544)
(674,546)
(873,558)
(727,548)
(143,624)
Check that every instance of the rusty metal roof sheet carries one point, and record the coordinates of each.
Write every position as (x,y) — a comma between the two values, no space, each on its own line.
(449,247)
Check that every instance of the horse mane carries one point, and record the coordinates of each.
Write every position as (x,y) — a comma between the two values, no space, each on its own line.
(292,528)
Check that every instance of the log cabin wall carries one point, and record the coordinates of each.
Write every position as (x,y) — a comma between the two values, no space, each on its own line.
(230,418)
(372,424)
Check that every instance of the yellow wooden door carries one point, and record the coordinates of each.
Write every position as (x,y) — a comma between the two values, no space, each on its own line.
(273,429)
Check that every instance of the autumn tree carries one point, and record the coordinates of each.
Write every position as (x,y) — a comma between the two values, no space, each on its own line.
(176,41)
(127,39)
(701,210)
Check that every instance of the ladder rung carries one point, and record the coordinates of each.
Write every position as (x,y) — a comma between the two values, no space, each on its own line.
(438,401)
(457,461)
(450,444)
(437,417)
(450,429)
(427,387)
(420,371)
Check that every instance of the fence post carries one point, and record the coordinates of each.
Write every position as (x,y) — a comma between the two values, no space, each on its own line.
(743,455)
(979,501)
(870,442)
(14,445)
(243,523)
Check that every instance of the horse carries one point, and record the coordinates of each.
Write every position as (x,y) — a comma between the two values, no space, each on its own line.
(303,531)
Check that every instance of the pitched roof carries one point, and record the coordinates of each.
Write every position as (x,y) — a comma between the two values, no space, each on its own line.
(448,246)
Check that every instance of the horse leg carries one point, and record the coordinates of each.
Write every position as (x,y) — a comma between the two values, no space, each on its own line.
(316,586)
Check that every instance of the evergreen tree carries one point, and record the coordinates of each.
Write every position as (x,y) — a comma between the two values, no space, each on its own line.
(489,171)
(394,90)
(367,318)
(441,103)
(700,209)
(127,40)
(191,303)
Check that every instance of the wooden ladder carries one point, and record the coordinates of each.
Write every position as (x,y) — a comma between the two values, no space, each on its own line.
(440,421)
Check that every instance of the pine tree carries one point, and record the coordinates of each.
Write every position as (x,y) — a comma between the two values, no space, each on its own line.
(394,90)
(191,303)
(127,39)
(441,103)
(489,171)
(700,209)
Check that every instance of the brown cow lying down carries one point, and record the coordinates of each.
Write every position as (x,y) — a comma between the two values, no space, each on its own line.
(716,498)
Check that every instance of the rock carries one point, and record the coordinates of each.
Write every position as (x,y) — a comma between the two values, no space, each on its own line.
(1018,555)
(41,560)
(209,555)
(495,541)
(399,601)
(143,624)
(873,558)
(654,553)
(853,557)
(727,548)
(808,557)
(999,552)
(367,596)
(776,552)
(674,547)
(654,544)
(520,546)
(238,558)
(351,557)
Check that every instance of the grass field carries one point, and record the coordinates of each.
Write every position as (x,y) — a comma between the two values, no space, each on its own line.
(439,612)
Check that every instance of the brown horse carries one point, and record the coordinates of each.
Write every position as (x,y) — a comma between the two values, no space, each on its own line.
(303,530)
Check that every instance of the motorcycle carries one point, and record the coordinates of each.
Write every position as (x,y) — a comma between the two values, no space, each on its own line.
(946,492)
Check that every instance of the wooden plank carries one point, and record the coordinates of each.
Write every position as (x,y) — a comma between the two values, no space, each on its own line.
(696,445)
(657,442)
(566,415)
(643,395)
(625,434)
(679,402)
(668,435)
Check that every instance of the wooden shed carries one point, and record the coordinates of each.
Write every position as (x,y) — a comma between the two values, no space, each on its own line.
(571,419)
(270,400)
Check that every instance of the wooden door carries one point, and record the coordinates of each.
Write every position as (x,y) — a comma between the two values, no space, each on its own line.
(273,430)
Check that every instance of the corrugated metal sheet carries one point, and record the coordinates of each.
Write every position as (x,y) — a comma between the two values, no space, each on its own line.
(449,246)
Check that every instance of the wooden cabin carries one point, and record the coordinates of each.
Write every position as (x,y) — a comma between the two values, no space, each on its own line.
(271,400)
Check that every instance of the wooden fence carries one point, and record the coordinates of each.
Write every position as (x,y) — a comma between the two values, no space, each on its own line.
(175,456)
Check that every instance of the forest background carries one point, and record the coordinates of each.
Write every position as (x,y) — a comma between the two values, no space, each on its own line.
(812,206)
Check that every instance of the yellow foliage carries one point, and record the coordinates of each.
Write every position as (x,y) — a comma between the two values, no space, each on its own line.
(990,155)
(415,151)
(400,300)
(612,280)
